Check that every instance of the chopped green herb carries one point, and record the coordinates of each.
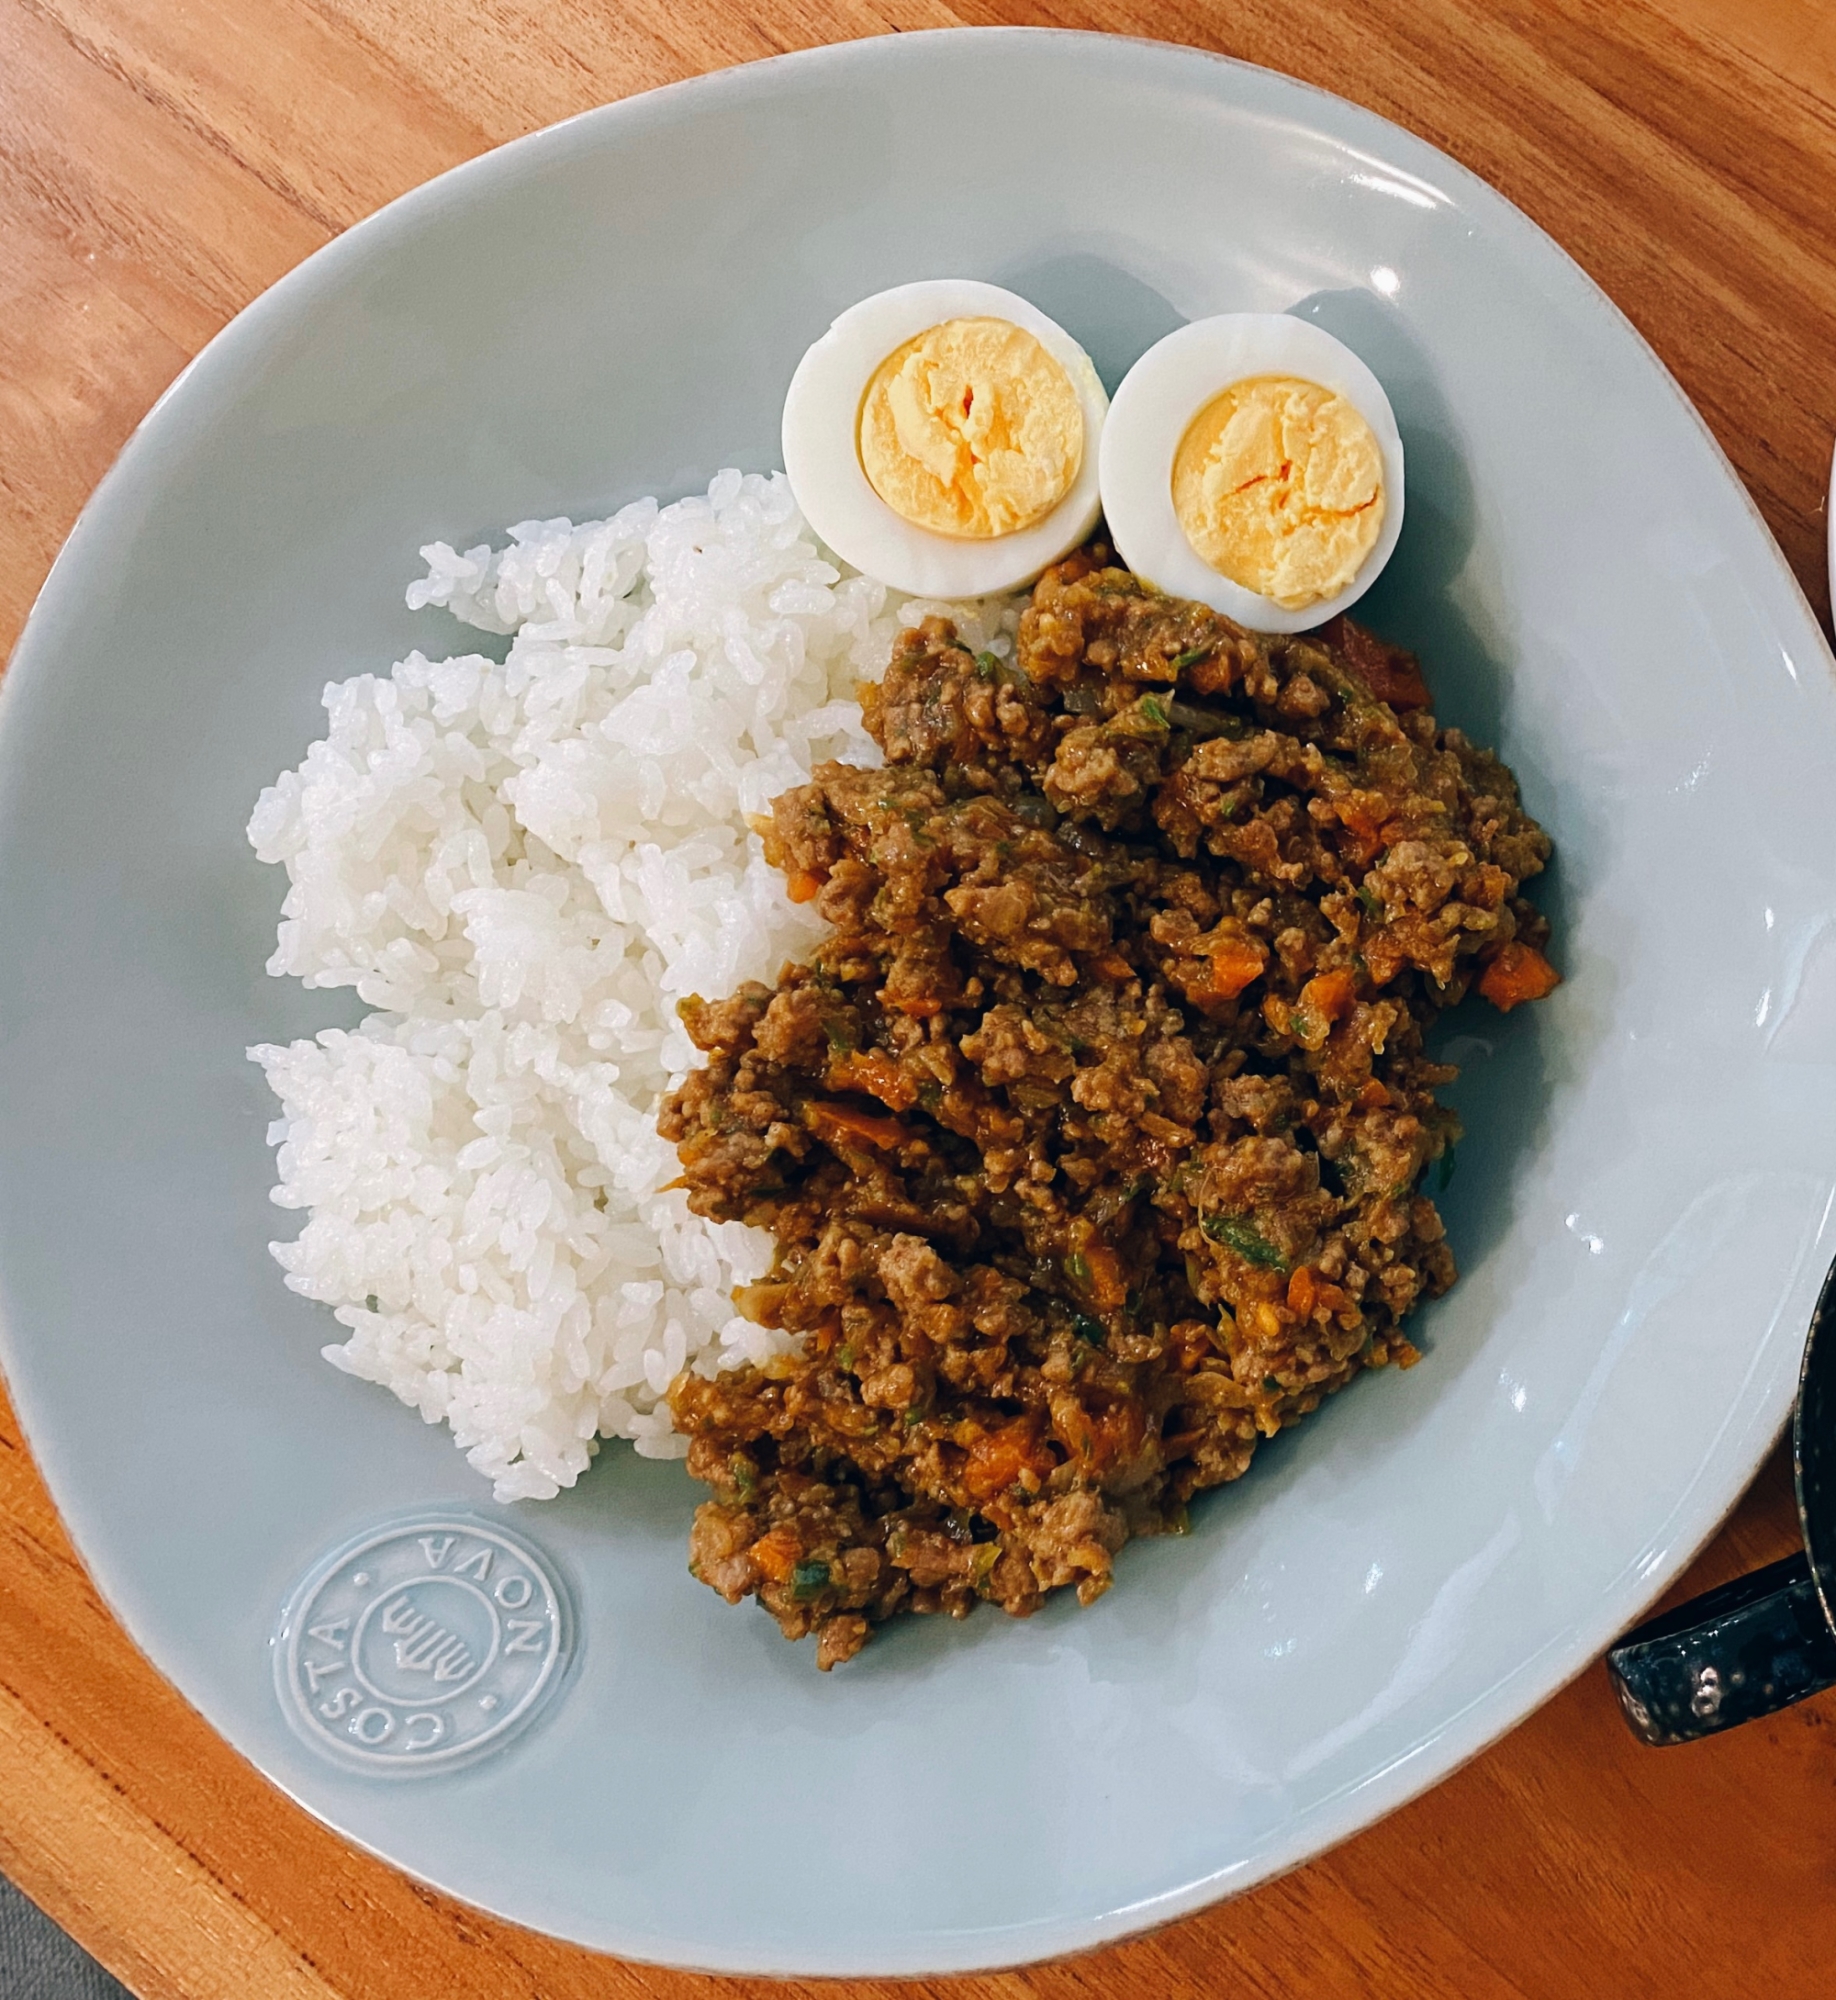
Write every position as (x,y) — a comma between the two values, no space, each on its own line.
(986,666)
(1192,658)
(844,1357)
(1372,908)
(809,1579)
(1153,710)
(1270,1387)
(745,1481)
(913,1417)
(371,1305)
(1087,1329)
(1244,1238)
(1077,1268)
(838,1038)
(981,1564)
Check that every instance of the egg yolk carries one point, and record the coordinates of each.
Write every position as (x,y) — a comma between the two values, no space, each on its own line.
(1278,484)
(971,429)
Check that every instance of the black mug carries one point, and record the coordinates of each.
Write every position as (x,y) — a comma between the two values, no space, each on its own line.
(1768,1639)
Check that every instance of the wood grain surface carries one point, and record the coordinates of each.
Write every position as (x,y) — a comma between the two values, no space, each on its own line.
(161,162)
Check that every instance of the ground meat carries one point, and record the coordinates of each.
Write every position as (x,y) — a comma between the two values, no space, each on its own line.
(1094,1136)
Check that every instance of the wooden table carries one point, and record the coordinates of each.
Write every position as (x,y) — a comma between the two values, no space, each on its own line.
(161,162)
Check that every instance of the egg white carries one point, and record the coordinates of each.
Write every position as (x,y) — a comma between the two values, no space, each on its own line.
(822,412)
(1154,407)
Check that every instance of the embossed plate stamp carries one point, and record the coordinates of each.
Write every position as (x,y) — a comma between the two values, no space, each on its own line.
(423,1644)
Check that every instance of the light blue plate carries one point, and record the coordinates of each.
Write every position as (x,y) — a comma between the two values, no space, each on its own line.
(1642,1209)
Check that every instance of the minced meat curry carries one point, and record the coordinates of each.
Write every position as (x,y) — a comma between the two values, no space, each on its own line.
(1094,1136)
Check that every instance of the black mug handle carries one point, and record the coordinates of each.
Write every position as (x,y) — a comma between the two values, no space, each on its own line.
(1753,1646)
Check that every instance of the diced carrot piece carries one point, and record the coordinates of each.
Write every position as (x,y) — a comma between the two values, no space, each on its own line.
(836,1125)
(1115,1436)
(998,1458)
(1111,965)
(1234,964)
(1214,673)
(875,1072)
(1372,1097)
(1364,814)
(1391,674)
(1192,1343)
(919,1009)
(1300,1292)
(1517,972)
(1330,996)
(777,1554)
(801,887)
(1098,1439)
(1107,1289)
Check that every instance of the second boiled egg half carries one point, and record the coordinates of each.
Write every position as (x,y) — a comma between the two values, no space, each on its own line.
(944,437)
(1252,461)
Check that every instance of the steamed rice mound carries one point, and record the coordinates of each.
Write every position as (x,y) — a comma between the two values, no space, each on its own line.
(522,867)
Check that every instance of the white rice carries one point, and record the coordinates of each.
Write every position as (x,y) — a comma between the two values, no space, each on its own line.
(523,868)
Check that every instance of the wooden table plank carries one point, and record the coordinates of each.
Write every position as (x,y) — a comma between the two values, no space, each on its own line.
(161,162)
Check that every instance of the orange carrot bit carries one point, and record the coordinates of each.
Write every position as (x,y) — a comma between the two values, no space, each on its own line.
(1517,972)
(801,887)
(1113,967)
(1364,815)
(1233,965)
(1214,673)
(1115,1436)
(1301,1292)
(1330,996)
(1106,1285)
(920,1008)
(1098,1439)
(777,1554)
(1191,1343)
(1373,1097)
(1391,674)
(998,1458)
(875,1072)
(836,1125)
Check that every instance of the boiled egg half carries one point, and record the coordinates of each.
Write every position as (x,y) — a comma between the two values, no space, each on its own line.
(944,436)
(1252,461)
